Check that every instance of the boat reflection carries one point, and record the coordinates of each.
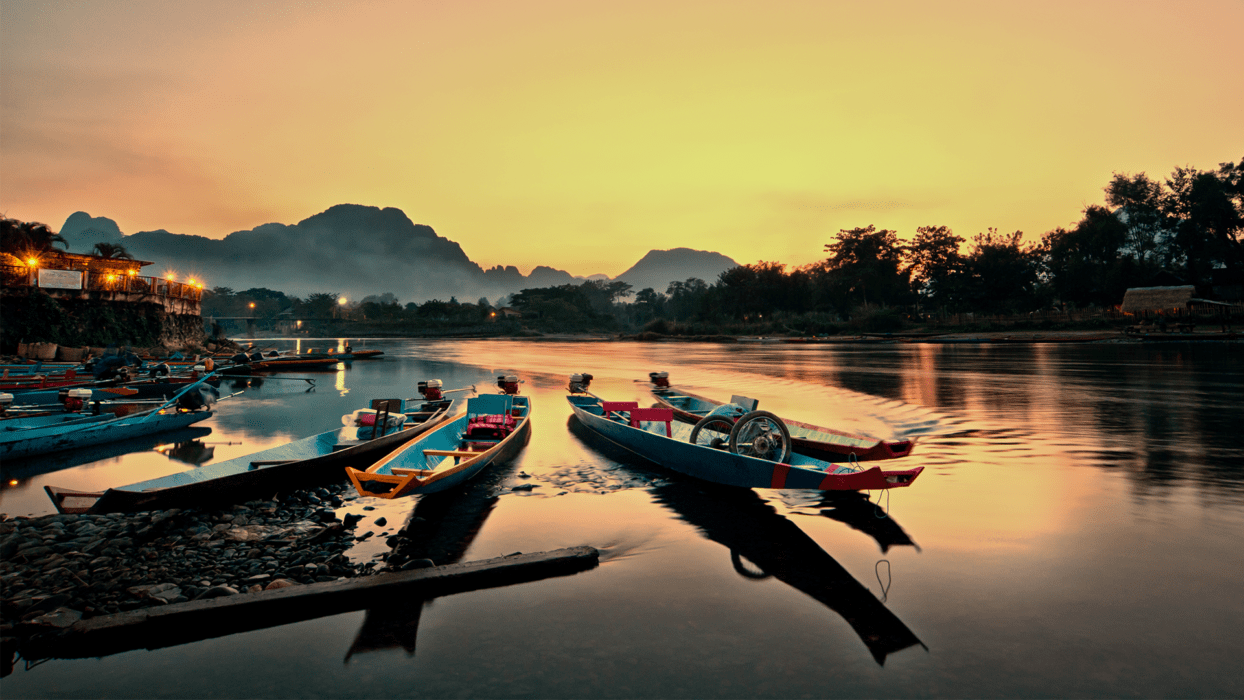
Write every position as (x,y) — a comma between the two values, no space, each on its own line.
(22,469)
(440,529)
(854,510)
(742,522)
(194,452)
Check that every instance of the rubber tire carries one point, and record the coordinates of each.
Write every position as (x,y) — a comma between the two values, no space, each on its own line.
(755,418)
(725,428)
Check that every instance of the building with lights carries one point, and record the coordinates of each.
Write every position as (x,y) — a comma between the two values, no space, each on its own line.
(63,275)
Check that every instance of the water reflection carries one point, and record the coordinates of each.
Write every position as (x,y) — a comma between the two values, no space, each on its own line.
(854,510)
(22,469)
(754,532)
(194,452)
(441,528)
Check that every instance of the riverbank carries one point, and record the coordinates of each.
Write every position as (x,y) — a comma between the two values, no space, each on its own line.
(58,569)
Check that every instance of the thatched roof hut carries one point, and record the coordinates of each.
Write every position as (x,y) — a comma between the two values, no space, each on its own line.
(1157,299)
(1165,300)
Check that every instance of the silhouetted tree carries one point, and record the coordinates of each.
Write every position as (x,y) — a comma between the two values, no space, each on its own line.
(114,251)
(864,267)
(935,262)
(24,239)
(1001,273)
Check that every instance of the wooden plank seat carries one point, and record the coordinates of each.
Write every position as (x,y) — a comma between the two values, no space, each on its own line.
(611,407)
(653,415)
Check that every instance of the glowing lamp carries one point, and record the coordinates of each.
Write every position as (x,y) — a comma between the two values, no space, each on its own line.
(131,273)
(170,277)
(33,262)
(191,280)
(252,304)
(342,301)
(111,277)
(12,482)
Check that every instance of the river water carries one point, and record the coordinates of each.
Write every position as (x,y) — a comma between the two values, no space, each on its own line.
(1078,531)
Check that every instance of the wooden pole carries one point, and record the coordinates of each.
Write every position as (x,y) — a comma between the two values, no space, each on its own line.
(181,623)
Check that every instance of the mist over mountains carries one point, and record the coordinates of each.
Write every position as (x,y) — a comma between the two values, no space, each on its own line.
(357,251)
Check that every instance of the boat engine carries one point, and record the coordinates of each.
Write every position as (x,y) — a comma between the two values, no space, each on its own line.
(431,390)
(75,399)
(660,380)
(6,400)
(160,370)
(200,396)
(579,383)
(508,383)
(240,359)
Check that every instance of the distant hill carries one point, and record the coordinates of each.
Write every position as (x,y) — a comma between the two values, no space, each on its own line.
(357,251)
(660,267)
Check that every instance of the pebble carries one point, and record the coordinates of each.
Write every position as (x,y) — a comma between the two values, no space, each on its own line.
(56,569)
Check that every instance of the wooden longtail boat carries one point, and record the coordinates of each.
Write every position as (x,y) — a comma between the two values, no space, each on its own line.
(311,461)
(492,431)
(296,364)
(652,434)
(806,439)
(90,430)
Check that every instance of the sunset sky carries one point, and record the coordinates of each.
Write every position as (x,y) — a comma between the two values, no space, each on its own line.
(583,134)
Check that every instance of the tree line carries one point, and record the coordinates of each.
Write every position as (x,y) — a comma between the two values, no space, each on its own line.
(1188,227)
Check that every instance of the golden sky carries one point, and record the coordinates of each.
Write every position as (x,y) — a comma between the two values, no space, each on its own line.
(582,134)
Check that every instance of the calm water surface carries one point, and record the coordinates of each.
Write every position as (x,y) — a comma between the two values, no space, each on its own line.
(1077,532)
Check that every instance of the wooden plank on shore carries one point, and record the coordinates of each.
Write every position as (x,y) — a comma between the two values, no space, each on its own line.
(180,623)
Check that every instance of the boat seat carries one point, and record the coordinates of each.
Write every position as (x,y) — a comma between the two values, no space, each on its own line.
(615,406)
(494,426)
(392,405)
(748,404)
(653,415)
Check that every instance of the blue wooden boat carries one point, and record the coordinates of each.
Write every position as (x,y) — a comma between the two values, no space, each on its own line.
(91,430)
(493,430)
(311,461)
(652,434)
(811,440)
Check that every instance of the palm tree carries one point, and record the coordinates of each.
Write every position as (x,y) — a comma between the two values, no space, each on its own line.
(27,238)
(111,250)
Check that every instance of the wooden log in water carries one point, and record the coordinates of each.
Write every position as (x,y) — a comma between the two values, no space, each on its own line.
(181,623)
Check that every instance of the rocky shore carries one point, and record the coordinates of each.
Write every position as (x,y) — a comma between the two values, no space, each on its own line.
(58,569)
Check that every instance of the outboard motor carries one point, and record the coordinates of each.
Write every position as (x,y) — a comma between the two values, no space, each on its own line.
(579,383)
(107,367)
(508,383)
(431,390)
(6,400)
(240,359)
(160,370)
(273,353)
(257,357)
(75,399)
(201,396)
(660,380)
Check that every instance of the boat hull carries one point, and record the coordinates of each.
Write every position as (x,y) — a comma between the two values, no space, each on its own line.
(96,432)
(406,472)
(722,467)
(311,461)
(806,439)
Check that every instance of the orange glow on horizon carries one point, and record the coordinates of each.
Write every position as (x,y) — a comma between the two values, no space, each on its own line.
(583,135)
